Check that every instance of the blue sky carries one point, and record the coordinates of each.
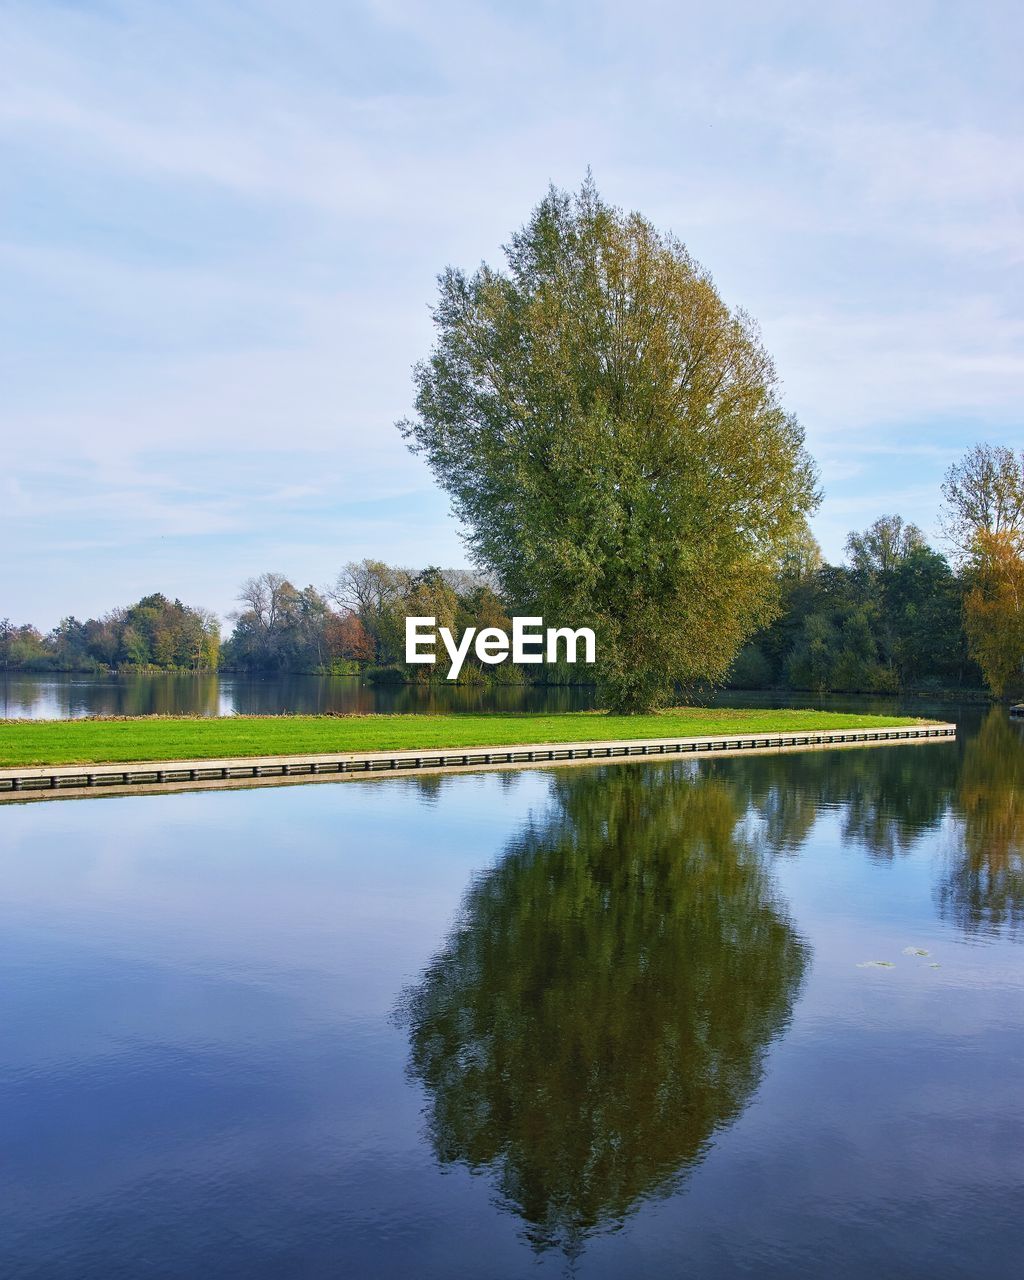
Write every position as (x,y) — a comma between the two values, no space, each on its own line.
(220,226)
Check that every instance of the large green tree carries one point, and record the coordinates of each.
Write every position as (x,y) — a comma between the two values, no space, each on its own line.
(612,436)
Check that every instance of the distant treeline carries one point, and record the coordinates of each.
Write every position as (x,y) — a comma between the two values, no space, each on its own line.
(359,625)
(153,634)
(890,618)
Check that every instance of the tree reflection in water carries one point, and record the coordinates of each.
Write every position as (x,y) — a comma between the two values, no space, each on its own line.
(889,799)
(984,885)
(886,798)
(605,1001)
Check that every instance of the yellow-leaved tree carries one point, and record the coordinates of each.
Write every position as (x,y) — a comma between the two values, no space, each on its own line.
(984,519)
(994,609)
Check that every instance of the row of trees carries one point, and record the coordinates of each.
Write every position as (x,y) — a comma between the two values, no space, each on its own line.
(613,437)
(284,628)
(890,618)
(360,621)
(899,614)
(896,615)
(152,633)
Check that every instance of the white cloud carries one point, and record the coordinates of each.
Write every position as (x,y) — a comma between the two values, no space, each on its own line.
(222,223)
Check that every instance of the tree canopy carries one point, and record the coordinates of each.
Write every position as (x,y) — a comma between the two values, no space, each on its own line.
(984,493)
(994,609)
(884,546)
(153,632)
(612,436)
(983,517)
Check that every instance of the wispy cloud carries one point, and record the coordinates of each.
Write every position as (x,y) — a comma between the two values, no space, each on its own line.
(221,225)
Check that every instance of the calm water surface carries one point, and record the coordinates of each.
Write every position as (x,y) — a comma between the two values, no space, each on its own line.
(593,1021)
(68,697)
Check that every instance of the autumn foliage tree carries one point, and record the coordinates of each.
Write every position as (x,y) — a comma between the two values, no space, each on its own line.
(984,518)
(347,638)
(994,609)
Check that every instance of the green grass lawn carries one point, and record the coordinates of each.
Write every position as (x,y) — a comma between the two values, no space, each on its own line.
(29,742)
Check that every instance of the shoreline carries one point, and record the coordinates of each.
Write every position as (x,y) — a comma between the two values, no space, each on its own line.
(35,743)
(66,781)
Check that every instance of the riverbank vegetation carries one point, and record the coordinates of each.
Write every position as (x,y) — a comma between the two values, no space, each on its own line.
(896,616)
(31,742)
(892,618)
(154,634)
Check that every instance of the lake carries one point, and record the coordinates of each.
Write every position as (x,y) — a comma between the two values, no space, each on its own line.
(750,1016)
(68,697)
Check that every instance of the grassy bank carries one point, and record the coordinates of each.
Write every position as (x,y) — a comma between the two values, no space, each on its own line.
(28,742)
